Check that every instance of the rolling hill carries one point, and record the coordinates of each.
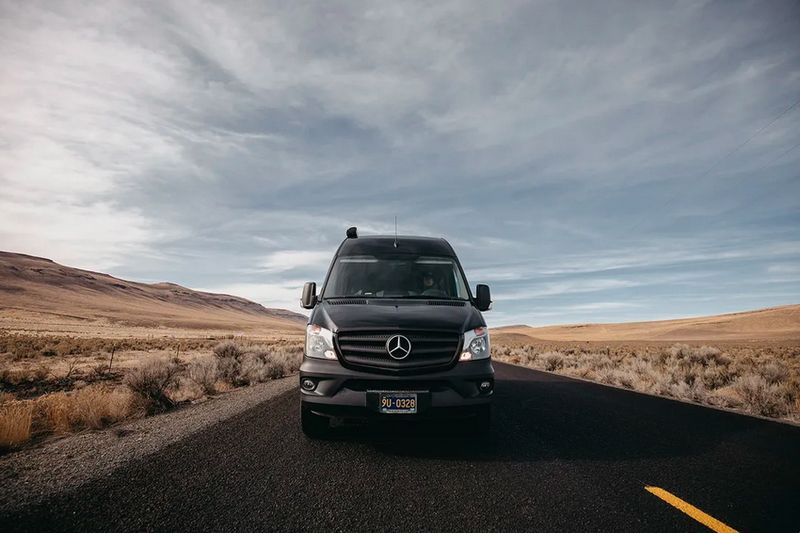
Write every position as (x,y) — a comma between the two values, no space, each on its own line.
(36,290)
(774,323)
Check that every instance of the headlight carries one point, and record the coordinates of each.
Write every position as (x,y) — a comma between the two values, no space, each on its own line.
(476,344)
(319,342)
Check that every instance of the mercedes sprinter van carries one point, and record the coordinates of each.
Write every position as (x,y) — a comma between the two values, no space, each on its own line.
(395,333)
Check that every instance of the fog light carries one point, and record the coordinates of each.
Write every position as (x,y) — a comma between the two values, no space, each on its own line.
(308,384)
(485,386)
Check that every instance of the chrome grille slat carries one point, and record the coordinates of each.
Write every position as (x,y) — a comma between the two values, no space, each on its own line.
(366,349)
(385,337)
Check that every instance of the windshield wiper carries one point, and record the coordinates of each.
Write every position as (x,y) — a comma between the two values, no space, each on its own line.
(398,297)
(424,297)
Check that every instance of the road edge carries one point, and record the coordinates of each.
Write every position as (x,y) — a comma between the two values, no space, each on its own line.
(653,395)
(32,475)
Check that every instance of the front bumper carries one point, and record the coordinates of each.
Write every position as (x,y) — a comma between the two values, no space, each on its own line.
(348,393)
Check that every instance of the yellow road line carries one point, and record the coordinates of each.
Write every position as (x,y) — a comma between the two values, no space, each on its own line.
(707,520)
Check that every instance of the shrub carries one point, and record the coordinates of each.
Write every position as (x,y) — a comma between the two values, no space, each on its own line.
(716,376)
(229,362)
(204,372)
(760,396)
(290,358)
(725,397)
(263,365)
(605,375)
(709,354)
(186,389)
(253,369)
(688,391)
(640,366)
(151,381)
(15,423)
(229,369)
(627,379)
(99,371)
(764,380)
(680,351)
(553,361)
(228,350)
(274,369)
(774,372)
(238,366)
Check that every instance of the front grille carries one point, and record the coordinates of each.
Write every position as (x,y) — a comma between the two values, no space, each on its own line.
(430,350)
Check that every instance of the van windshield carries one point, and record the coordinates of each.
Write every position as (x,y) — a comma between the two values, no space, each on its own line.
(396,277)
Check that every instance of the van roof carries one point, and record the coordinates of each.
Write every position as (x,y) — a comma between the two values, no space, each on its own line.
(406,244)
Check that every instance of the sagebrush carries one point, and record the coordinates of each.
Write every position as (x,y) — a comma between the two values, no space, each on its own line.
(765,382)
(154,385)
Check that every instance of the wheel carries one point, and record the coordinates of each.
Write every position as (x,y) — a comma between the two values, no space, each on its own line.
(481,423)
(314,426)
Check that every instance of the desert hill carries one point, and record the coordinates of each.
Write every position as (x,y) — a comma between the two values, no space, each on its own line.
(774,323)
(36,289)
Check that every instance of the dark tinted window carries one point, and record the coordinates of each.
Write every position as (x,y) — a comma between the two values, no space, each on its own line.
(405,276)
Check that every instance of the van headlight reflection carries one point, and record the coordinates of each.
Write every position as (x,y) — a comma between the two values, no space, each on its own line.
(476,344)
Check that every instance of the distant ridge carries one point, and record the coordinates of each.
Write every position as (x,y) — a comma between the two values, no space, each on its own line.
(773,323)
(32,285)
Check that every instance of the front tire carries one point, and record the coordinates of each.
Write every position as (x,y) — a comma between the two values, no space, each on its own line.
(314,426)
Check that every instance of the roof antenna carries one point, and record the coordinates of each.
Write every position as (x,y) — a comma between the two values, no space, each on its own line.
(395,231)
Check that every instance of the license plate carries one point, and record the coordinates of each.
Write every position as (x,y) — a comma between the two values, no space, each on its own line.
(397,402)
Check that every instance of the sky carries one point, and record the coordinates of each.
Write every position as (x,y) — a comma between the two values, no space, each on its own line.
(590,161)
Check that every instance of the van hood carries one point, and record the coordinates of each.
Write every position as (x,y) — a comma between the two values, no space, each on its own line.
(353,314)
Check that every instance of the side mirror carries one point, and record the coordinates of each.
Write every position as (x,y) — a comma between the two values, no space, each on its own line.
(309,299)
(483,300)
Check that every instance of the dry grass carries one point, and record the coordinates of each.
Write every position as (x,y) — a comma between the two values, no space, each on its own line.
(88,408)
(32,365)
(22,346)
(71,393)
(770,324)
(18,376)
(61,413)
(763,380)
(15,423)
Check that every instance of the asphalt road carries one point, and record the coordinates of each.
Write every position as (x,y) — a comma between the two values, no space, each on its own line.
(564,455)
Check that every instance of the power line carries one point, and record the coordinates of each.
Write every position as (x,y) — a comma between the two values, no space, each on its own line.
(753,136)
(791,149)
(733,151)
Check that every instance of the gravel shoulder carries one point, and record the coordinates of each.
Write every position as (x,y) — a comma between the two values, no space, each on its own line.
(30,476)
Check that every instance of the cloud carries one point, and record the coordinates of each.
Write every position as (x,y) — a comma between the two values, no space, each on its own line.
(784,268)
(286,260)
(572,153)
(285,295)
(567,287)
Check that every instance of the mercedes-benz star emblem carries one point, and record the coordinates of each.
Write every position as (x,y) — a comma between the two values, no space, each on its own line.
(398,346)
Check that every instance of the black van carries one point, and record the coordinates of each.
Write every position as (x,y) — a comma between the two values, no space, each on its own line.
(395,333)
